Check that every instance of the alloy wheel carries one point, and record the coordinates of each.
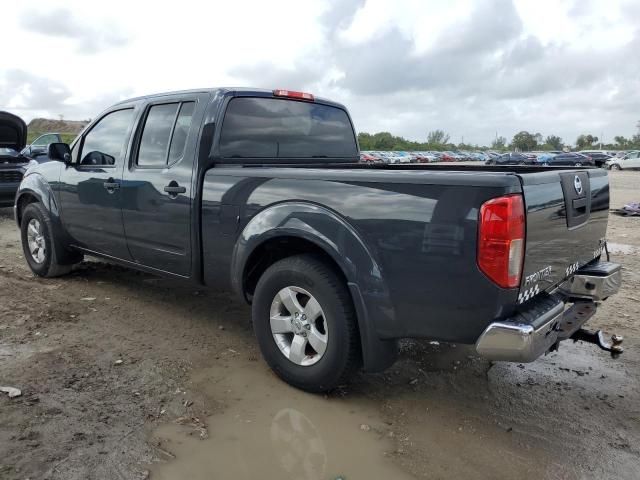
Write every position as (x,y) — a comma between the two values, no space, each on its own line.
(298,326)
(36,241)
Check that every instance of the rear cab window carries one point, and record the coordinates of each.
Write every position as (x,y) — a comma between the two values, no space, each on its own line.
(274,128)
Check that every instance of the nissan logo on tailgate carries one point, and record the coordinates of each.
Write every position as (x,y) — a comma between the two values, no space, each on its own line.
(577,184)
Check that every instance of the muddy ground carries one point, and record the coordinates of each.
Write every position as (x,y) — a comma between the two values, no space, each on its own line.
(126,376)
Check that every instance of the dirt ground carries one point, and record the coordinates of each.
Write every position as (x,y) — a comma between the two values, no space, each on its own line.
(126,376)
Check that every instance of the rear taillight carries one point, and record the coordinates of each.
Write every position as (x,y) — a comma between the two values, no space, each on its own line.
(292,94)
(501,240)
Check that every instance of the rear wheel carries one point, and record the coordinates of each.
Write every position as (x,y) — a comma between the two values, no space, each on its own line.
(578,164)
(305,323)
(38,242)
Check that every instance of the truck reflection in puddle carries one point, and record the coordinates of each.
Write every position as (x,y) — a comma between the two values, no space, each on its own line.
(271,431)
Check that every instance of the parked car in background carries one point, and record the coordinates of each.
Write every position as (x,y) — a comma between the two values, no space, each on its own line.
(13,165)
(570,159)
(369,157)
(404,157)
(512,158)
(38,148)
(543,157)
(599,157)
(448,157)
(630,161)
(423,157)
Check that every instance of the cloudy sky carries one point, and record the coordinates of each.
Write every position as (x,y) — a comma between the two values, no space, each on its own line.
(470,67)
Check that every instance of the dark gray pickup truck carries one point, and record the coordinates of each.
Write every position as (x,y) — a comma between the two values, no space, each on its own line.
(261,191)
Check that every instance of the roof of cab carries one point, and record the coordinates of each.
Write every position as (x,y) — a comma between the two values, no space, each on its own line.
(222,90)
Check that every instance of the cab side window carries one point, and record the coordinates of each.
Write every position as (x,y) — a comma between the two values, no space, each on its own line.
(164,136)
(104,144)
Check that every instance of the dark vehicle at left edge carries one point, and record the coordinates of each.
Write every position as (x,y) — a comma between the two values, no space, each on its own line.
(15,154)
(13,138)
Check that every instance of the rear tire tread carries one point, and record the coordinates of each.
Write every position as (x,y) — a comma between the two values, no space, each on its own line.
(316,267)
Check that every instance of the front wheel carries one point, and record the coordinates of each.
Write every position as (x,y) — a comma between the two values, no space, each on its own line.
(38,242)
(305,323)
(615,166)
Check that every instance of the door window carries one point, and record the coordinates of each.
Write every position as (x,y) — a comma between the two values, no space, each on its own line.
(45,140)
(180,132)
(104,144)
(165,134)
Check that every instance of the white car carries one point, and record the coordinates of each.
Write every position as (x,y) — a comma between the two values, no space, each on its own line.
(630,160)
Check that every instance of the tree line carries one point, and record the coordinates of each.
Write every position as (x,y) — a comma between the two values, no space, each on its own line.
(522,141)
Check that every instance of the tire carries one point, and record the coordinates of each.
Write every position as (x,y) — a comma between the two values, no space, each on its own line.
(306,277)
(578,164)
(36,228)
(615,166)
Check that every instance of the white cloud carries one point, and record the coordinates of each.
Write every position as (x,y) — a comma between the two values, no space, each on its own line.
(471,67)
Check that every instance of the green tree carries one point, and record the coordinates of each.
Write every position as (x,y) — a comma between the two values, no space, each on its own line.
(585,141)
(524,141)
(554,142)
(635,140)
(438,137)
(621,142)
(499,143)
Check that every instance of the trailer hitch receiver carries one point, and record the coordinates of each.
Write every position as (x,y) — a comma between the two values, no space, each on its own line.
(597,338)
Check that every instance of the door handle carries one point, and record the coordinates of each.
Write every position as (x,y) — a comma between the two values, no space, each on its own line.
(174,189)
(111,185)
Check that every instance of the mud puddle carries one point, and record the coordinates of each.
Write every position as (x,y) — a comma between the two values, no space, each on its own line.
(272,431)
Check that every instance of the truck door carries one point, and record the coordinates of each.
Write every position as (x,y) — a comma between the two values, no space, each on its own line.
(157,188)
(89,190)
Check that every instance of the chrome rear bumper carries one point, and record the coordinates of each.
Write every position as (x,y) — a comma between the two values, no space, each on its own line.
(546,321)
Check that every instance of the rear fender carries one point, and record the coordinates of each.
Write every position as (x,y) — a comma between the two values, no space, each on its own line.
(330,232)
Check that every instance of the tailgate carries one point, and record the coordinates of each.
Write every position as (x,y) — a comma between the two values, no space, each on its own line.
(567,213)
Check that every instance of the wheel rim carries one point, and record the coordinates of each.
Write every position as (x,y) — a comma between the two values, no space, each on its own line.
(298,326)
(35,240)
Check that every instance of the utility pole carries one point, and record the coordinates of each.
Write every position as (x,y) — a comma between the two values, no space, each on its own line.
(601,139)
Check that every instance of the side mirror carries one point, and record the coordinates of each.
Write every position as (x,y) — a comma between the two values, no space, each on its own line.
(60,152)
(34,151)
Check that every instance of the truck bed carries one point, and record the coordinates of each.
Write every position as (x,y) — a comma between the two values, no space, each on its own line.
(415,224)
